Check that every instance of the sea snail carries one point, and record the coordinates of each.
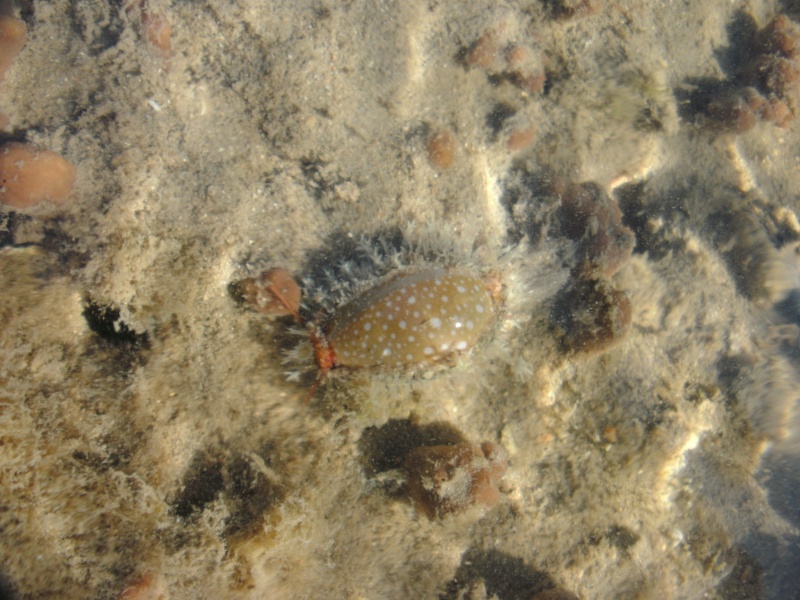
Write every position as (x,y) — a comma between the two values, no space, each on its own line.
(414,317)
(411,317)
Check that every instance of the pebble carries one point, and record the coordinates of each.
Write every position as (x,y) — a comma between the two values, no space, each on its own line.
(521,138)
(449,479)
(13,34)
(442,149)
(273,292)
(592,218)
(29,176)
(591,315)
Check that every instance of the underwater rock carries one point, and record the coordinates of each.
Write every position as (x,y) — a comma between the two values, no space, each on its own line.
(155,27)
(521,138)
(590,315)
(448,479)
(589,216)
(146,586)
(775,69)
(386,448)
(434,465)
(274,292)
(767,86)
(13,33)
(29,176)
(500,53)
(441,148)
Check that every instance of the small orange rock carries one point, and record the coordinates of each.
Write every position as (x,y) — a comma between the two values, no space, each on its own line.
(737,112)
(610,434)
(274,292)
(155,26)
(442,149)
(779,35)
(145,587)
(29,176)
(532,82)
(483,52)
(157,30)
(521,138)
(772,77)
(13,33)
(525,68)
(778,112)
(517,56)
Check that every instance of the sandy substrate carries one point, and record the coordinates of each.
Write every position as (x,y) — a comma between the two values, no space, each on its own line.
(150,440)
